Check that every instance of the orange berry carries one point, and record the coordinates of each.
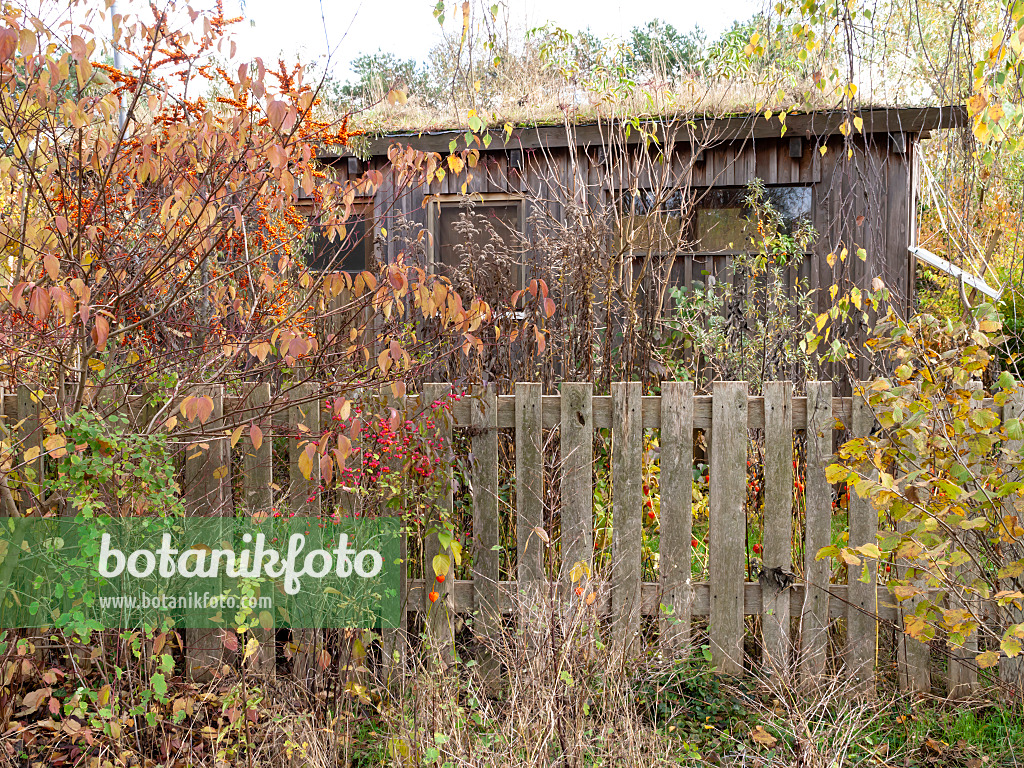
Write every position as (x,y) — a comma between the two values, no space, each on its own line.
(579,591)
(433,597)
(440,578)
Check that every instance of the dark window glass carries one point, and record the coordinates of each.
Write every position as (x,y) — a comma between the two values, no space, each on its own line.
(344,254)
(722,216)
(483,240)
(650,223)
(704,221)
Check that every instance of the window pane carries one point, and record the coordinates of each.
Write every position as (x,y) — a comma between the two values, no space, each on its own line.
(793,203)
(348,254)
(649,224)
(484,240)
(722,220)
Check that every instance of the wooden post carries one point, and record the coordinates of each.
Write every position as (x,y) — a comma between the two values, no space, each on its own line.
(257,495)
(676,485)
(577,489)
(627,514)
(1011,671)
(530,505)
(304,421)
(440,615)
(486,543)
(394,642)
(30,439)
(728,524)
(963,665)
(207,494)
(777,554)
(817,531)
(912,662)
(304,499)
(861,624)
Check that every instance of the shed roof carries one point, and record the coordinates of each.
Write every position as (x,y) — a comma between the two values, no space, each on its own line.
(691,128)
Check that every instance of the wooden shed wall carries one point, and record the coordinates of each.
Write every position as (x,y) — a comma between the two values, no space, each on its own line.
(863,200)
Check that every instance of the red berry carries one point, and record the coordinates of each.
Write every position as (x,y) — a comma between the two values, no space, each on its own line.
(579,591)
(694,542)
(647,489)
(888,568)
(440,578)
(651,515)
(757,549)
(649,504)
(433,597)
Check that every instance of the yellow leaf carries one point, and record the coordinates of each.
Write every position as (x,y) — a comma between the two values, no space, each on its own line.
(762,737)
(858,123)
(235,436)
(306,464)
(32,454)
(54,445)
(578,571)
(251,646)
(976,103)
(987,659)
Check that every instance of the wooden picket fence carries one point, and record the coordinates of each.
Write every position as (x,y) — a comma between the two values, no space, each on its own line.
(799,619)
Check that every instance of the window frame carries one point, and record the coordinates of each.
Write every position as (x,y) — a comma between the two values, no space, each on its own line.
(434,204)
(692,222)
(362,206)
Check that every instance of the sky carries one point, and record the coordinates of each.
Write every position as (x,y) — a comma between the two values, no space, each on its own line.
(408,28)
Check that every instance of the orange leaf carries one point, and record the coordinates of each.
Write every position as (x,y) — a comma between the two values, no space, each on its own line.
(100,332)
(204,408)
(52,266)
(39,303)
(256,436)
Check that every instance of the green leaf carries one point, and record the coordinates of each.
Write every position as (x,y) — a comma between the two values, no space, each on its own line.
(159,684)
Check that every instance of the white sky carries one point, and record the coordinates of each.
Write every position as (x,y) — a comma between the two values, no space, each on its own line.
(409,29)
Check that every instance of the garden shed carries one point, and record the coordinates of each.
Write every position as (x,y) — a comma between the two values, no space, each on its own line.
(851,175)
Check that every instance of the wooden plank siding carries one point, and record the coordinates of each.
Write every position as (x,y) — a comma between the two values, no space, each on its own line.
(862,199)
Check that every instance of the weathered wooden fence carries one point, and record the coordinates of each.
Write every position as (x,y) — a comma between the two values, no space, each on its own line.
(803,621)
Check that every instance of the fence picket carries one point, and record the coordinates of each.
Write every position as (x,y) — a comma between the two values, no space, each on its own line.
(304,498)
(257,483)
(778,525)
(861,624)
(963,665)
(29,438)
(486,542)
(440,623)
(676,486)
(394,641)
(627,513)
(577,489)
(257,493)
(727,533)
(1011,671)
(304,421)
(912,662)
(529,501)
(207,481)
(817,530)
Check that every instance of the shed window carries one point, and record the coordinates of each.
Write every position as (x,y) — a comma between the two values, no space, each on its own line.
(481,241)
(349,253)
(715,220)
(722,217)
